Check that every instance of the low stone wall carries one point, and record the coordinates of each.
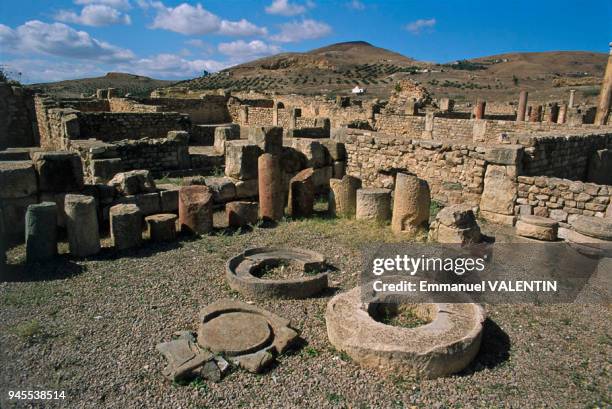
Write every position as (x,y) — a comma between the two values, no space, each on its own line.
(454,172)
(561,199)
(115,126)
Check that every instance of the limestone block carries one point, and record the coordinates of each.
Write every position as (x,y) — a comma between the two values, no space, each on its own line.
(596,227)
(17,179)
(411,204)
(343,196)
(104,170)
(14,211)
(222,188)
(301,194)
(161,227)
(133,182)
(223,134)
(506,155)
(335,149)
(246,188)
(536,227)
(240,213)
(82,225)
(500,191)
(241,159)
(41,232)
(374,204)
(316,154)
(168,197)
(268,138)
(58,171)
(292,160)
(126,226)
(181,137)
(148,203)
(195,209)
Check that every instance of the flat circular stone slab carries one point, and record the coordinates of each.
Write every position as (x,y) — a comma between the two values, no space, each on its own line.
(591,226)
(236,333)
(444,346)
(241,273)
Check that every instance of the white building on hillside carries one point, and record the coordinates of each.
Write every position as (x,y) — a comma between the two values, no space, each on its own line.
(358,90)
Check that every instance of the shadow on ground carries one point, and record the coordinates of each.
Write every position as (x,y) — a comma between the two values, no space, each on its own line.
(494,349)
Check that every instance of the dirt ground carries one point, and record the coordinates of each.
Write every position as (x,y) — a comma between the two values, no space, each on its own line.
(89,328)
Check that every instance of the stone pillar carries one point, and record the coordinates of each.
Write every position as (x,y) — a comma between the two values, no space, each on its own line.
(410,204)
(295,113)
(343,196)
(536,114)
(126,226)
(479,111)
(571,98)
(271,203)
(374,204)
(554,113)
(244,114)
(195,209)
(41,231)
(412,107)
(161,227)
(240,214)
(522,106)
(82,225)
(605,95)
(275,115)
(429,125)
(301,194)
(562,114)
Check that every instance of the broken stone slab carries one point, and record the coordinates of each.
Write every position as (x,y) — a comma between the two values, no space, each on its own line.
(184,359)
(321,178)
(442,347)
(536,227)
(243,273)
(596,227)
(222,188)
(254,363)
(498,218)
(58,171)
(241,213)
(241,159)
(18,179)
(455,224)
(291,160)
(133,182)
(14,211)
(500,190)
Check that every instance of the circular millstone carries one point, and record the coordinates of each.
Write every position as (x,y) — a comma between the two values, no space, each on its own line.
(235,333)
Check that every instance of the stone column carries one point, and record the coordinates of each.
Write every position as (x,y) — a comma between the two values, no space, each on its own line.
(343,196)
(429,125)
(571,98)
(605,96)
(271,203)
(301,194)
(562,114)
(41,231)
(536,114)
(82,225)
(522,106)
(241,213)
(554,113)
(126,226)
(195,209)
(161,227)
(479,111)
(410,204)
(374,204)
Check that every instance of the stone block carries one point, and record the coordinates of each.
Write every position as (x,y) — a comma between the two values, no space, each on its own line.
(148,203)
(133,182)
(241,159)
(322,176)
(336,150)
(126,226)
(161,227)
(223,134)
(41,232)
(291,160)
(82,225)
(104,170)
(58,171)
(506,155)
(240,214)
(14,211)
(195,209)
(316,154)
(168,197)
(222,188)
(17,179)
(246,188)
(268,138)
(500,191)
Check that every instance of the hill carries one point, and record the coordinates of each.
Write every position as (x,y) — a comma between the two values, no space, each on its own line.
(336,69)
(126,83)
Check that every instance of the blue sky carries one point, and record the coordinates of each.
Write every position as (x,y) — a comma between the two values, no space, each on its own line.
(54,40)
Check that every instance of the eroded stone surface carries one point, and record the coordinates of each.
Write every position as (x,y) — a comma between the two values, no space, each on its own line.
(343,196)
(444,346)
(455,224)
(374,204)
(537,227)
(596,227)
(226,333)
(411,203)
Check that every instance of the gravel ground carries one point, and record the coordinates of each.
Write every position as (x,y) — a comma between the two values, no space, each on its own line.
(90,328)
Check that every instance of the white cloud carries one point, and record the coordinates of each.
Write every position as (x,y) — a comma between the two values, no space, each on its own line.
(356,5)
(58,39)
(195,20)
(96,15)
(117,4)
(35,70)
(285,8)
(171,66)
(304,30)
(417,26)
(241,28)
(255,48)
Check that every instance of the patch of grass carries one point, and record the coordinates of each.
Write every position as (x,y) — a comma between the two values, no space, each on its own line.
(31,295)
(434,208)
(29,330)
(311,352)
(405,317)
(334,398)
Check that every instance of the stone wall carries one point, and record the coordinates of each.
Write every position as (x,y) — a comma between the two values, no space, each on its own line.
(561,199)
(115,126)
(17,117)
(209,109)
(454,171)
